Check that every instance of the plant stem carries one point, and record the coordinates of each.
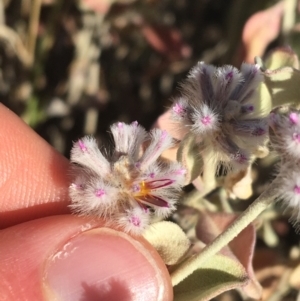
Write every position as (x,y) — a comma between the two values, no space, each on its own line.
(249,215)
(33,27)
(224,201)
(195,200)
(208,183)
(2,13)
(209,175)
(289,16)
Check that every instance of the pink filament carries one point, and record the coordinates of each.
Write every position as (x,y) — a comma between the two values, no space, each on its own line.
(100,192)
(178,109)
(152,175)
(250,108)
(135,221)
(159,183)
(297,189)
(180,171)
(259,132)
(206,120)
(294,118)
(296,137)
(240,158)
(229,75)
(82,146)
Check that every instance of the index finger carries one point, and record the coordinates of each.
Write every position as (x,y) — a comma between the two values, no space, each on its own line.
(33,175)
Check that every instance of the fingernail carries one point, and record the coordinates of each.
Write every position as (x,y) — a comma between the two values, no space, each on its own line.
(103,264)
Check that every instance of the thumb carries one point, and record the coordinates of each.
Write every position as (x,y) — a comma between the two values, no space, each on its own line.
(71,258)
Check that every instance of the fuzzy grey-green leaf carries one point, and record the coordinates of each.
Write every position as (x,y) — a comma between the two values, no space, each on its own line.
(283,86)
(281,57)
(169,240)
(217,275)
(189,155)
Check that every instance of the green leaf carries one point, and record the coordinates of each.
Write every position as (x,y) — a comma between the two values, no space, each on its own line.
(281,57)
(282,78)
(169,240)
(269,235)
(241,248)
(217,275)
(265,104)
(33,114)
(283,85)
(189,156)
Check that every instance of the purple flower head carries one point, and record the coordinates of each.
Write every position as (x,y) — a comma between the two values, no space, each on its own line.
(130,187)
(284,130)
(220,106)
(289,189)
(284,125)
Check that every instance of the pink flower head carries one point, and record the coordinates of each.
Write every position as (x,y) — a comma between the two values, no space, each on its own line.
(222,109)
(289,189)
(178,109)
(285,132)
(123,188)
(285,137)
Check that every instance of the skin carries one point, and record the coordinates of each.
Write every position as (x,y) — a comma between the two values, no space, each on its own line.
(48,254)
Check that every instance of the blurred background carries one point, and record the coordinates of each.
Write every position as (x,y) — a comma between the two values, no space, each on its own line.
(70,68)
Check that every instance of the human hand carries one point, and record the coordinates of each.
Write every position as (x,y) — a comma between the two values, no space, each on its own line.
(48,254)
